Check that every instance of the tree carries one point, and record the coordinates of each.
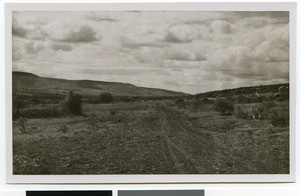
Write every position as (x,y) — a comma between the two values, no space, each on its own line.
(72,104)
(224,106)
(106,97)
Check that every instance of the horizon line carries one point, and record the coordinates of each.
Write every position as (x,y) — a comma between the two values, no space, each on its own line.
(148,87)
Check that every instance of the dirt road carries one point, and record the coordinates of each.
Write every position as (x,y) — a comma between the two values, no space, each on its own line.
(197,151)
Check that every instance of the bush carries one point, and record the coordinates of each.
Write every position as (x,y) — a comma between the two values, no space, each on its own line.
(23,125)
(106,98)
(242,113)
(72,104)
(180,102)
(224,106)
(279,118)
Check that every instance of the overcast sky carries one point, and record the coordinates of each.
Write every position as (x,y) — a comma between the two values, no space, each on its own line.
(190,52)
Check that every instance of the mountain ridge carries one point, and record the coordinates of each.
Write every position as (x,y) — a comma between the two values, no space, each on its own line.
(29,81)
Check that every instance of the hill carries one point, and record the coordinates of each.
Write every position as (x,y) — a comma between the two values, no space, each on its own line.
(272,88)
(28,82)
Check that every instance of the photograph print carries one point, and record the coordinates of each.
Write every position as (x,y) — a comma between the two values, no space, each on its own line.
(150,92)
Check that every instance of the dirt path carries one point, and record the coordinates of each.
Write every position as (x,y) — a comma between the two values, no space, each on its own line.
(196,151)
(178,143)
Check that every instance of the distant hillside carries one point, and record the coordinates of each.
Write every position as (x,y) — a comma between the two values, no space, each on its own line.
(28,82)
(273,88)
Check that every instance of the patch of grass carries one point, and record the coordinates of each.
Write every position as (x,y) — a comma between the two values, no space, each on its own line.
(63,129)
(48,112)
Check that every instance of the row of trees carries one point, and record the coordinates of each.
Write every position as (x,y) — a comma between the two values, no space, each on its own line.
(72,104)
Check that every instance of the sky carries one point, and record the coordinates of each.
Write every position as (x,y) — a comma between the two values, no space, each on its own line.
(190,52)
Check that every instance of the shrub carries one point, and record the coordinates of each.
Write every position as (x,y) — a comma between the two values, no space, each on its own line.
(106,97)
(279,119)
(72,104)
(241,113)
(112,112)
(180,102)
(23,125)
(224,106)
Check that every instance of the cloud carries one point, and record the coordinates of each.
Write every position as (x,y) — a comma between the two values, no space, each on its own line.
(67,32)
(18,31)
(100,17)
(278,32)
(250,39)
(105,19)
(184,55)
(149,55)
(136,44)
(16,55)
(61,46)
(202,50)
(181,34)
(263,71)
(172,38)
(33,47)
(272,51)
(221,26)
(121,72)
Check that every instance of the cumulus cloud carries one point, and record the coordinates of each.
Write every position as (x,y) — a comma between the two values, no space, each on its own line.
(261,19)
(101,17)
(263,71)
(106,19)
(33,47)
(203,50)
(250,39)
(149,55)
(172,38)
(221,26)
(181,34)
(229,58)
(16,55)
(184,55)
(19,31)
(67,32)
(61,46)
(272,51)
(136,44)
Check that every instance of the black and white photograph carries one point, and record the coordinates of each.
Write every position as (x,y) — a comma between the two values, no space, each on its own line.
(126,92)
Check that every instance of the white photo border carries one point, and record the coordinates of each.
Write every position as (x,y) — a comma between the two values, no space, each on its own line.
(117,179)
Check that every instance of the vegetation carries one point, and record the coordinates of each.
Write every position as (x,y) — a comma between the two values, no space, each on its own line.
(18,104)
(72,104)
(23,125)
(106,97)
(42,112)
(243,90)
(224,106)
(180,102)
(254,141)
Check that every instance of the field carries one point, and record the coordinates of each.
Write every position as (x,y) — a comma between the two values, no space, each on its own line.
(155,137)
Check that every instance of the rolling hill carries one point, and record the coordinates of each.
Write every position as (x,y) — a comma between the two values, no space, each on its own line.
(28,82)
